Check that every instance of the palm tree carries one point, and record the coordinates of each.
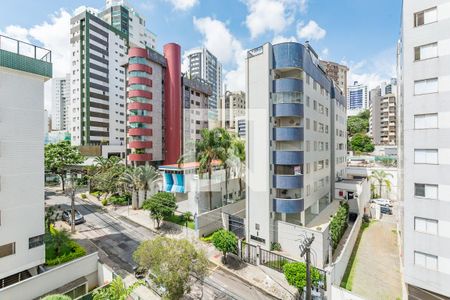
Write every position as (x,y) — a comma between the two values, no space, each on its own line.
(237,159)
(149,176)
(59,238)
(226,142)
(382,177)
(116,290)
(131,178)
(209,149)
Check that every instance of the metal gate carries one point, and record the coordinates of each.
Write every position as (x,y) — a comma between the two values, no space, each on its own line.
(236,225)
(249,253)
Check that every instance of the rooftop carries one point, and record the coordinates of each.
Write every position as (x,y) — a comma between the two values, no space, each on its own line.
(23,56)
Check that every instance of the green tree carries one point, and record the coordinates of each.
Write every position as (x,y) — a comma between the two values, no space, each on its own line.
(161,205)
(131,179)
(381,177)
(172,264)
(116,290)
(225,241)
(58,240)
(149,176)
(56,297)
(186,217)
(361,143)
(295,274)
(237,159)
(357,125)
(59,156)
(51,216)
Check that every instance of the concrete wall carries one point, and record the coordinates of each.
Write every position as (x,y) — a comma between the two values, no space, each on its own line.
(211,221)
(55,278)
(338,293)
(290,237)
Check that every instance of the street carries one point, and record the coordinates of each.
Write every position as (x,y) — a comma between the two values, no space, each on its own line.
(118,238)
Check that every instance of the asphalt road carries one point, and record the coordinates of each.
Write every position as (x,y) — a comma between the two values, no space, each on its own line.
(118,237)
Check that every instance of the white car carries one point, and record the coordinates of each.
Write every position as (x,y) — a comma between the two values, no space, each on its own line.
(383,202)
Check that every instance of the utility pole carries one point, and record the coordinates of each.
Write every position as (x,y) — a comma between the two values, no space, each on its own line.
(305,249)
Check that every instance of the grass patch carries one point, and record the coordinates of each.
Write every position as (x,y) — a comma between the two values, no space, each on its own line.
(347,280)
(178,219)
(208,238)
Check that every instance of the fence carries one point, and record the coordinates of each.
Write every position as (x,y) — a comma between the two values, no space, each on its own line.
(274,260)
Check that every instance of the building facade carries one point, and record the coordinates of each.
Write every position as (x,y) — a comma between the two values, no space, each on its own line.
(357,98)
(203,64)
(60,103)
(22,122)
(383,114)
(232,107)
(294,112)
(337,73)
(424,144)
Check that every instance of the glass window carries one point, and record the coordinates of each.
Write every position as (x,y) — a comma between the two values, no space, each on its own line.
(426,225)
(426,86)
(425,260)
(425,121)
(35,241)
(425,17)
(426,51)
(426,156)
(8,249)
(429,191)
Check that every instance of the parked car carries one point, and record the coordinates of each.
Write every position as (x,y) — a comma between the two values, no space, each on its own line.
(67,217)
(385,210)
(139,273)
(382,202)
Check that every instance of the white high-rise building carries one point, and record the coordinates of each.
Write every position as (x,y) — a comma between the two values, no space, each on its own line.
(60,103)
(203,64)
(357,98)
(424,144)
(22,124)
(98,89)
(383,113)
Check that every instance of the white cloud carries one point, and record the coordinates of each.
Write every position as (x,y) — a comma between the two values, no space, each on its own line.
(282,39)
(83,8)
(303,6)
(269,15)
(310,31)
(183,4)
(324,53)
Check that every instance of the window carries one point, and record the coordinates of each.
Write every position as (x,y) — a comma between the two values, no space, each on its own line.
(426,156)
(307,78)
(425,260)
(315,105)
(426,86)
(425,17)
(307,101)
(308,146)
(426,225)
(426,121)
(425,51)
(308,168)
(308,125)
(308,190)
(429,191)
(315,126)
(8,249)
(35,241)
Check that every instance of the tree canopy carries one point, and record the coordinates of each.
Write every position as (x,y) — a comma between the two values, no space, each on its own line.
(116,290)
(161,205)
(360,142)
(225,241)
(170,264)
(295,274)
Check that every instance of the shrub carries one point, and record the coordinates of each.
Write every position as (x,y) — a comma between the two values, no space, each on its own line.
(295,274)
(339,224)
(120,199)
(275,246)
(83,196)
(105,202)
(56,297)
(225,241)
(74,251)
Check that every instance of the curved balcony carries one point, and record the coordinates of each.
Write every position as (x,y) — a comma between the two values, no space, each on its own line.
(140,93)
(139,67)
(140,119)
(137,52)
(140,157)
(288,134)
(288,206)
(288,158)
(140,80)
(288,110)
(288,181)
(288,55)
(140,132)
(140,144)
(140,106)
(287,85)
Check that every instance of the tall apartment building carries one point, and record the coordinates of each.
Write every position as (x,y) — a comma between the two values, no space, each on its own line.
(337,73)
(60,103)
(424,144)
(232,107)
(357,98)
(23,70)
(203,64)
(296,147)
(99,51)
(383,114)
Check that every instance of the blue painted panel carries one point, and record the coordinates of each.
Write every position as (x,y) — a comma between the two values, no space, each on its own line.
(287,85)
(288,109)
(288,134)
(288,206)
(169,182)
(288,157)
(288,181)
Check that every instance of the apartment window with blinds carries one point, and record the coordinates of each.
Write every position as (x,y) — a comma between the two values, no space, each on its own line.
(426,121)
(426,225)
(426,156)
(8,249)
(429,191)
(425,17)
(426,86)
(427,261)
(35,241)
(426,51)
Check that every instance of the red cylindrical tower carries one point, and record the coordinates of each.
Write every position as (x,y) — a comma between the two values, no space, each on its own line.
(172,103)
(139,121)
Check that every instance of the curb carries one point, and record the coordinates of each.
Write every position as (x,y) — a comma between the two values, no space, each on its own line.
(226,270)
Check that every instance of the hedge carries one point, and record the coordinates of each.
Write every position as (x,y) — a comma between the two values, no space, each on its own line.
(76,251)
(339,224)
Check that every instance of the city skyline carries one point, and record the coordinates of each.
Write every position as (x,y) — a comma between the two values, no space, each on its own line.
(238,25)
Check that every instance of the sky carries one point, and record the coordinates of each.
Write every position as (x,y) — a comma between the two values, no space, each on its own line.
(361,34)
